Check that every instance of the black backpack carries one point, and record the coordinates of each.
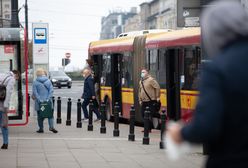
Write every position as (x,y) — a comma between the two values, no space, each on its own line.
(3,90)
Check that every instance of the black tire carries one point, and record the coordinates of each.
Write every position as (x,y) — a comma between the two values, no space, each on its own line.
(59,87)
(69,87)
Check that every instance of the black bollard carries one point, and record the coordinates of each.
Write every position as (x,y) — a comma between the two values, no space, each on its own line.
(90,125)
(146,138)
(28,104)
(103,118)
(68,118)
(53,100)
(59,120)
(163,127)
(116,131)
(79,120)
(131,136)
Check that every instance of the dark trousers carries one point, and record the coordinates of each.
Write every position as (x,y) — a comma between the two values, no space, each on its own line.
(143,109)
(85,103)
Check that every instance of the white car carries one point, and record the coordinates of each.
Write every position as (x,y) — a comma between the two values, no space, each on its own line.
(30,76)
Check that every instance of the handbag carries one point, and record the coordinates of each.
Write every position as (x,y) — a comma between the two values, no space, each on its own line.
(155,104)
(45,109)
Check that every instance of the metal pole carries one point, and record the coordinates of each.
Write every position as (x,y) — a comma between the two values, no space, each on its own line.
(131,136)
(116,131)
(59,120)
(163,127)
(146,139)
(28,104)
(79,122)
(103,118)
(68,118)
(90,126)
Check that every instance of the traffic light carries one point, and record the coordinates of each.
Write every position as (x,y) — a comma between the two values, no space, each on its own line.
(65,61)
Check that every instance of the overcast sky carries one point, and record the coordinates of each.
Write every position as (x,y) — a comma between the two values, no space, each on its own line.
(72,24)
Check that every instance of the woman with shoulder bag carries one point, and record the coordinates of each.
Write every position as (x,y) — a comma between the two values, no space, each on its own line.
(42,93)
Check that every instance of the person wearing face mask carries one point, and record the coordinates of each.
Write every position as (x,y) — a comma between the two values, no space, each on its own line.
(149,92)
(89,94)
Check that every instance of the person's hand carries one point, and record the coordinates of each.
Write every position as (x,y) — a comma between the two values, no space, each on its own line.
(93,97)
(158,99)
(175,132)
(140,102)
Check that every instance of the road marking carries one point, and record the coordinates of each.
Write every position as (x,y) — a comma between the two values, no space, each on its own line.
(73,139)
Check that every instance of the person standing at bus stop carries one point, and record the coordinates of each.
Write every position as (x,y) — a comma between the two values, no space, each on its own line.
(221,117)
(43,91)
(89,94)
(149,94)
(7,80)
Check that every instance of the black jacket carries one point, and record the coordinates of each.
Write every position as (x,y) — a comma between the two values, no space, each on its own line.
(89,89)
(221,118)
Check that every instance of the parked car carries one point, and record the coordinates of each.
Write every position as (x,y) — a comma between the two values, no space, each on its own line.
(60,79)
(30,76)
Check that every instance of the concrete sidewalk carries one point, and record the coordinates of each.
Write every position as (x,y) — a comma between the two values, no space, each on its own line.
(76,147)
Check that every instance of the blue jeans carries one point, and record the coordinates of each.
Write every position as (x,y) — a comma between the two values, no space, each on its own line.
(5,131)
(40,122)
(84,107)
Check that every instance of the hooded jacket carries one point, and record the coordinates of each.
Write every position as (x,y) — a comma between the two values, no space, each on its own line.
(42,90)
(9,83)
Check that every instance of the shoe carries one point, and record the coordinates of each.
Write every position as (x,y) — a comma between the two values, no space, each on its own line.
(40,131)
(98,119)
(85,119)
(53,130)
(5,146)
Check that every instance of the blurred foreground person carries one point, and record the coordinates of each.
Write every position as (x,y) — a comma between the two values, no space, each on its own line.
(221,117)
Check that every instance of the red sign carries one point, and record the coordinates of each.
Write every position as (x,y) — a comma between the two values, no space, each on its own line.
(68,55)
(9,49)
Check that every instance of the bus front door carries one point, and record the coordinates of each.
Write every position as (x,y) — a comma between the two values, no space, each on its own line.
(173,84)
(116,62)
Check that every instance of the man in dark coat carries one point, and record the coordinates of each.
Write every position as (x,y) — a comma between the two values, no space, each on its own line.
(89,94)
(221,118)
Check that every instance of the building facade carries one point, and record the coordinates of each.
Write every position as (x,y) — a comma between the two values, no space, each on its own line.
(113,24)
(156,14)
(5,13)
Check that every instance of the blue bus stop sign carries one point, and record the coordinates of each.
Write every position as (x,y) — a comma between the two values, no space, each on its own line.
(40,35)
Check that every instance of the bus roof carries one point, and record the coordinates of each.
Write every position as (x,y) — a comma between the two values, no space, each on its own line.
(111,45)
(182,37)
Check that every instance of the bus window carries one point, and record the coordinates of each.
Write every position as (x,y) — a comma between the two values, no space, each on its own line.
(153,62)
(162,69)
(191,68)
(106,70)
(127,70)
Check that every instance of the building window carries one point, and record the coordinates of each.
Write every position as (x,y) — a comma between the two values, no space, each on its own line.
(6,6)
(7,16)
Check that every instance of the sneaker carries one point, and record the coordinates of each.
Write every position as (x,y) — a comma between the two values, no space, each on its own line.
(85,119)
(40,131)
(5,146)
(98,119)
(53,130)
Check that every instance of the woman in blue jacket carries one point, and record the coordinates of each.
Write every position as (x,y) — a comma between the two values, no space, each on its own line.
(43,91)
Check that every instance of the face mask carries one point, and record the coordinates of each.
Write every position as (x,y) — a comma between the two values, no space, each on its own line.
(142,75)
